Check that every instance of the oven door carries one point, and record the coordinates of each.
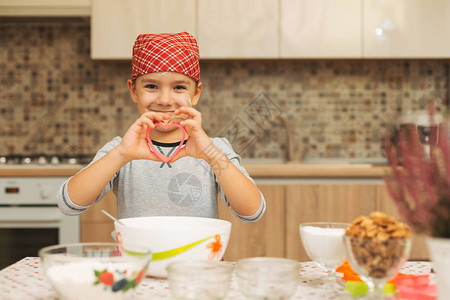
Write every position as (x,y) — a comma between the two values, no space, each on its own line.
(25,230)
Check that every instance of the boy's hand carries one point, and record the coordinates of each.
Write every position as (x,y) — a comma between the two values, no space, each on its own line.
(198,139)
(134,143)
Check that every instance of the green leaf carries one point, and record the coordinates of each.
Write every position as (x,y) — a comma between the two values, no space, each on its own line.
(129,285)
(389,289)
(172,252)
(134,253)
(360,288)
(357,288)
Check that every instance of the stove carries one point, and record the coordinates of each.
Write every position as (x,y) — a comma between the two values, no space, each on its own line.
(45,160)
(29,216)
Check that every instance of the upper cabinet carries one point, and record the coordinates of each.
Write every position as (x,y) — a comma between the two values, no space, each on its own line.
(320,28)
(406,29)
(45,8)
(238,29)
(116,24)
(247,29)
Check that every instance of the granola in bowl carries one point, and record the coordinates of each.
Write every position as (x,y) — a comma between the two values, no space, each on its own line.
(378,244)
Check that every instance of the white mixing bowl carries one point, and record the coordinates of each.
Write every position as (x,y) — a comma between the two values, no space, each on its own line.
(175,238)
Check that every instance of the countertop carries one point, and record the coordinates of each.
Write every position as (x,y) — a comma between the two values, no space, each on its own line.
(24,280)
(316,170)
(256,170)
(38,170)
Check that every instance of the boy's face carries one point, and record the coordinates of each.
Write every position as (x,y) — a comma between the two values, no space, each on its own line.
(164,92)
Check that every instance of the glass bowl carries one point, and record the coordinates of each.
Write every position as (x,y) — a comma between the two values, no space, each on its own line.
(94,270)
(268,277)
(199,279)
(323,242)
(377,261)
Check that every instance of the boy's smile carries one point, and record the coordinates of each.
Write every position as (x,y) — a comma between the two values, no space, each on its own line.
(163,93)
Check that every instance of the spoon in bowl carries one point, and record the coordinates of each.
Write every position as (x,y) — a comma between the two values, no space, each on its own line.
(112,217)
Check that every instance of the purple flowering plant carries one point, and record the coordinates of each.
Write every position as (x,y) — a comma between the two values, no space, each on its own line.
(419,182)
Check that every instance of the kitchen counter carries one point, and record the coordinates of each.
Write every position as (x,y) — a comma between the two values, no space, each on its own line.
(24,280)
(38,170)
(256,170)
(316,170)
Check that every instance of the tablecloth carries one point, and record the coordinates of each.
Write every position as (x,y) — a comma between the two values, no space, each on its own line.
(24,280)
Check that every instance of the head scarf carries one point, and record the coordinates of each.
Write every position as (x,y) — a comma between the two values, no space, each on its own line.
(166,52)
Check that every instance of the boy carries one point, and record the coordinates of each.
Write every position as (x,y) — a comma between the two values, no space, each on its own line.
(165,85)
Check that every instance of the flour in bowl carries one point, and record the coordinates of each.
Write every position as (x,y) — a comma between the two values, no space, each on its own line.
(94,280)
(324,245)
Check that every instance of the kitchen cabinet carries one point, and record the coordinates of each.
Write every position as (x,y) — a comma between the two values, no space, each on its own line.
(273,29)
(45,8)
(116,24)
(319,200)
(238,29)
(320,28)
(364,28)
(263,238)
(289,205)
(406,28)
(324,203)
(95,225)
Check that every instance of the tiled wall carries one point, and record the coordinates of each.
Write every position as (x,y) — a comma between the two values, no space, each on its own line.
(55,99)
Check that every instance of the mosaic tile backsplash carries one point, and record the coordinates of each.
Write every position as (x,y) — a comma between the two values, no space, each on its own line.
(54,99)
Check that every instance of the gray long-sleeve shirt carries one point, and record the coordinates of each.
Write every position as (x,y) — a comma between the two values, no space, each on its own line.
(186,187)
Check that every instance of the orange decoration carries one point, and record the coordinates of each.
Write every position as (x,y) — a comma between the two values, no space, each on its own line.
(215,246)
(350,275)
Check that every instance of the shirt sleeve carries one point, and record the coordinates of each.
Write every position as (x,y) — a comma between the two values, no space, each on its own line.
(224,145)
(65,204)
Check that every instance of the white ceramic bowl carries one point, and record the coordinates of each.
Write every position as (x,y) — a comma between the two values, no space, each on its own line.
(175,238)
(94,270)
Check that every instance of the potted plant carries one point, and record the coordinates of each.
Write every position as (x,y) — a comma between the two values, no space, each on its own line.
(419,185)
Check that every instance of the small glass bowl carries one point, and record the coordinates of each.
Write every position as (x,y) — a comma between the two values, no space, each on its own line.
(199,279)
(268,277)
(94,270)
(323,243)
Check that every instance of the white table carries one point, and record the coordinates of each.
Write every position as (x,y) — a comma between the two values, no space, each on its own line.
(23,280)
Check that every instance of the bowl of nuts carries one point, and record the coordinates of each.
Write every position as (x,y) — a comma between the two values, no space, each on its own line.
(377,246)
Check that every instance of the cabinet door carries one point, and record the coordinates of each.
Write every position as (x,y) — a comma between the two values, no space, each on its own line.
(406,28)
(116,24)
(95,226)
(238,29)
(320,29)
(323,203)
(419,249)
(263,238)
(42,8)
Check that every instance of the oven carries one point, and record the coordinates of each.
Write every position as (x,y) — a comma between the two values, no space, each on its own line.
(30,218)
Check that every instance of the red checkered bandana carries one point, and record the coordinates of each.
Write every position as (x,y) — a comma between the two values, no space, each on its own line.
(166,52)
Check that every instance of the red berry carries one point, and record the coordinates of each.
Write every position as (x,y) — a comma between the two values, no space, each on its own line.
(107,278)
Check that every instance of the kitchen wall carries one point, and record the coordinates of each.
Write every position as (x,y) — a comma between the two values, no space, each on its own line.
(55,100)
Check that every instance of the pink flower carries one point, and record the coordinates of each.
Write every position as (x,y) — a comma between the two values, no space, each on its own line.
(420,182)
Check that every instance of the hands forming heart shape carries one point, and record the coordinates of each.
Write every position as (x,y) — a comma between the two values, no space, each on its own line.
(161,156)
